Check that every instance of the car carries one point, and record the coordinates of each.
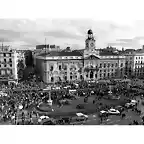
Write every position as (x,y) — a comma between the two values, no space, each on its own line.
(80,106)
(115,97)
(41,118)
(128,105)
(92,92)
(119,108)
(65,101)
(113,111)
(133,102)
(81,117)
(49,122)
(106,97)
(103,113)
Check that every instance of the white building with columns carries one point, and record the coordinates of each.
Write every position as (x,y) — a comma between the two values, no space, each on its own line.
(88,63)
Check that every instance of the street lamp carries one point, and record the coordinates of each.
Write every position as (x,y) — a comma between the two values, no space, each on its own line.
(50,100)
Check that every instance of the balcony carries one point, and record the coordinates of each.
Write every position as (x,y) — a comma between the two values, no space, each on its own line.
(91,68)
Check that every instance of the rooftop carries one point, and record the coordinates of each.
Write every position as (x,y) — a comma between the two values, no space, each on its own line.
(108,53)
(61,53)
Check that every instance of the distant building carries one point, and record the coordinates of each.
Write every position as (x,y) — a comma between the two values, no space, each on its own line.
(8,65)
(4,48)
(50,47)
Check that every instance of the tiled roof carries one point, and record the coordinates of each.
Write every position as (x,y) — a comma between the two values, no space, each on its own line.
(129,50)
(108,53)
(61,53)
(140,51)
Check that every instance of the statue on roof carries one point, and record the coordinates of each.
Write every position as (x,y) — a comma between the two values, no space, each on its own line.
(90,32)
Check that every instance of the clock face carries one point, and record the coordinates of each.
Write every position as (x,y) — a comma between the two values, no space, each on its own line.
(92,44)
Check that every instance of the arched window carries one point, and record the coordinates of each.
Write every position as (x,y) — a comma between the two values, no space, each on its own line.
(95,75)
(51,68)
(81,77)
(52,79)
(91,74)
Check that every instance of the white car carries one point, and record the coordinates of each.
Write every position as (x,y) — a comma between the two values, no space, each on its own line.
(42,118)
(81,115)
(113,111)
(103,112)
(133,102)
(92,92)
(128,105)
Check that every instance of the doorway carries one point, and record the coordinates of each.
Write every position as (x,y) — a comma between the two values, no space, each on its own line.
(91,75)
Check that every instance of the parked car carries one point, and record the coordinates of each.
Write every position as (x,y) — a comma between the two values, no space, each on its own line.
(103,113)
(120,108)
(65,102)
(80,106)
(81,117)
(42,118)
(113,111)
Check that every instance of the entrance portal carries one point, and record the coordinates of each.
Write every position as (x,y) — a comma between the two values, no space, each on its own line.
(91,75)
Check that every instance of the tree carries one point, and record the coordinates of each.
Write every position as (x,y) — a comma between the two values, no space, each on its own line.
(21,68)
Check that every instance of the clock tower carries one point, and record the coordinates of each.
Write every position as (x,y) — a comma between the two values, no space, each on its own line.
(90,41)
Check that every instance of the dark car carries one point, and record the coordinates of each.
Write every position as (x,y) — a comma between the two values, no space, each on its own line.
(120,108)
(106,97)
(80,106)
(48,123)
(66,120)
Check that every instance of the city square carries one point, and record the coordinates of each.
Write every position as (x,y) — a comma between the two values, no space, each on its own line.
(78,110)
(90,86)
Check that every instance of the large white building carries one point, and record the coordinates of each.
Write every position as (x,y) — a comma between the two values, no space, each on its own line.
(88,63)
(8,65)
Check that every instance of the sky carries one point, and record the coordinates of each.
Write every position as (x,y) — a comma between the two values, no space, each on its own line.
(65,23)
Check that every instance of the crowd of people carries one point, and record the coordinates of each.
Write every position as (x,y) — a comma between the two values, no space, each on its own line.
(19,106)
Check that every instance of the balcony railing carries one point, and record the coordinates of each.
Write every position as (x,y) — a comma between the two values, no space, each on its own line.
(91,68)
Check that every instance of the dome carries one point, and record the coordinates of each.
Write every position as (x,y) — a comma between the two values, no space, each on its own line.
(89,31)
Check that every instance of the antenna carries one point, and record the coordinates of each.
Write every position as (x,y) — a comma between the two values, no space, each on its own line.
(2,45)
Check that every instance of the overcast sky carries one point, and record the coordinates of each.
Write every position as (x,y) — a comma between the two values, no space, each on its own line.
(65,23)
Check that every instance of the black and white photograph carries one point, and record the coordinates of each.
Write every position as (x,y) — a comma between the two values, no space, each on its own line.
(71,71)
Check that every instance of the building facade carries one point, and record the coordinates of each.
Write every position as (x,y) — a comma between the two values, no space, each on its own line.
(138,64)
(134,63)
(8,65)
(86,64)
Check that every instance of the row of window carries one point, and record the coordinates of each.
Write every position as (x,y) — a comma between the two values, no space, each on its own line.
(139,62)
(5,60)
(5,54)
(65,68)
(60,68)
(4,72)
(65,78)
(139,70)
(139,57)
(110,65)
(6,65)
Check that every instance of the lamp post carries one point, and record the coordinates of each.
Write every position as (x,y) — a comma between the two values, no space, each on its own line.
(49,100)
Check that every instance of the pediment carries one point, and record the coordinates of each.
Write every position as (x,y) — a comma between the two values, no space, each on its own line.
(92,57)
